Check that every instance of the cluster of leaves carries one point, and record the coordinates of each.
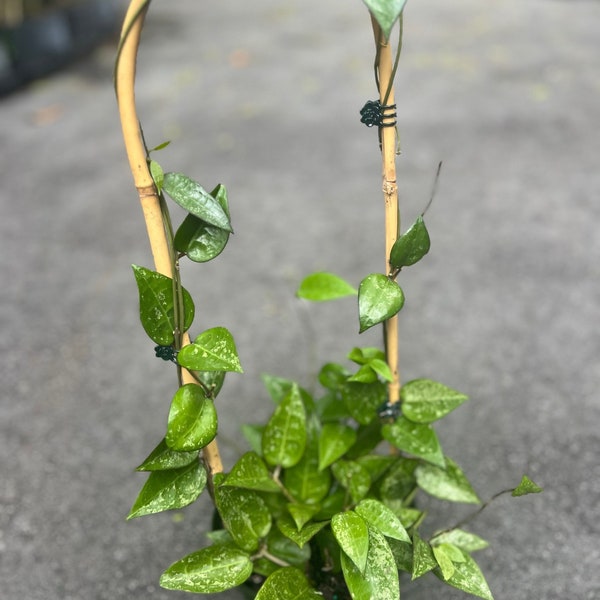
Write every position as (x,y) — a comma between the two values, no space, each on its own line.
(319,506)
(315,504)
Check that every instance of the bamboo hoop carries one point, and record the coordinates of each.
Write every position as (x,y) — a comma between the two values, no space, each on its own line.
(125,70)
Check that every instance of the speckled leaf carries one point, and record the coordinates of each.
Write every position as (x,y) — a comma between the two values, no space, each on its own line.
(165,490)
(196,200)
(468,577)
(200,241)
(418,439)
(381,517)
(354,477)
(363,399)
(284,438)
(287,526)
(411,246)
(245,515)
(526,487)
(288,583)
(352,534)
(448,484)
(386,12)
(213,350)
(467,541)
(156,305)
(250,472)
(163,458)
(425,401)
(423,558)
(210,570)
(192,420)
(380,578)
(334,442)
(379,298)
(319,287)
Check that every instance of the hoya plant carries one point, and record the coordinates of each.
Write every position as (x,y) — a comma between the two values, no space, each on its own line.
(325,503)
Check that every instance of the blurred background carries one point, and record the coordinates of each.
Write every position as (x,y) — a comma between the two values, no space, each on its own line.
(264,97)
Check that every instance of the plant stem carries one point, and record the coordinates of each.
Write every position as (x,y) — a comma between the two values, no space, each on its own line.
(136,153)
(390,195)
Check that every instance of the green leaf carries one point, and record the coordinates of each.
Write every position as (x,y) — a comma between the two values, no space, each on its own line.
(304,480)
(352,534)
(334,442)
(448,484)
(425,401)
(418,439)
(358,585)
(284,438)
(386,12)
(319,287)
(411,246)
(212,380)
(196,200)
(332,376)
(352,476)
(156,305)
(469,542)
(245,515)
(251,473)
(157,175)
(160,146)
(165,490)
(253,435)
(200,241)
(288,583)
(163,458)
(379,298)
(363,399)
(403,554)
(282,547)
(468,577)
(376,464)
(444,561)
(287,526)
(380,578)
(210,570)
(423,557)
(364,375)
(398,483)
(380,516)
(526,487)
(213,350)
(278,387)
(302,513)
(192,419)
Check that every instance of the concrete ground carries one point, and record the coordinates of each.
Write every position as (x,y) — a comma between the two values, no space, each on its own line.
(264,97)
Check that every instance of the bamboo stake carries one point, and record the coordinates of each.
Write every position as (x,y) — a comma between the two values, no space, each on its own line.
(136,153)
(390,196)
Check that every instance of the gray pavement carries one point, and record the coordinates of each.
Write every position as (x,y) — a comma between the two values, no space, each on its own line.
(264,97)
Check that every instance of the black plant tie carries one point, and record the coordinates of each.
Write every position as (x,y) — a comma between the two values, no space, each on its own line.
(388,411)
(166,353)
(373,113)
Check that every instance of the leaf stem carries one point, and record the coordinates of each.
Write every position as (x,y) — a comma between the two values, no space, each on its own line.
(473,515)
(162,252)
